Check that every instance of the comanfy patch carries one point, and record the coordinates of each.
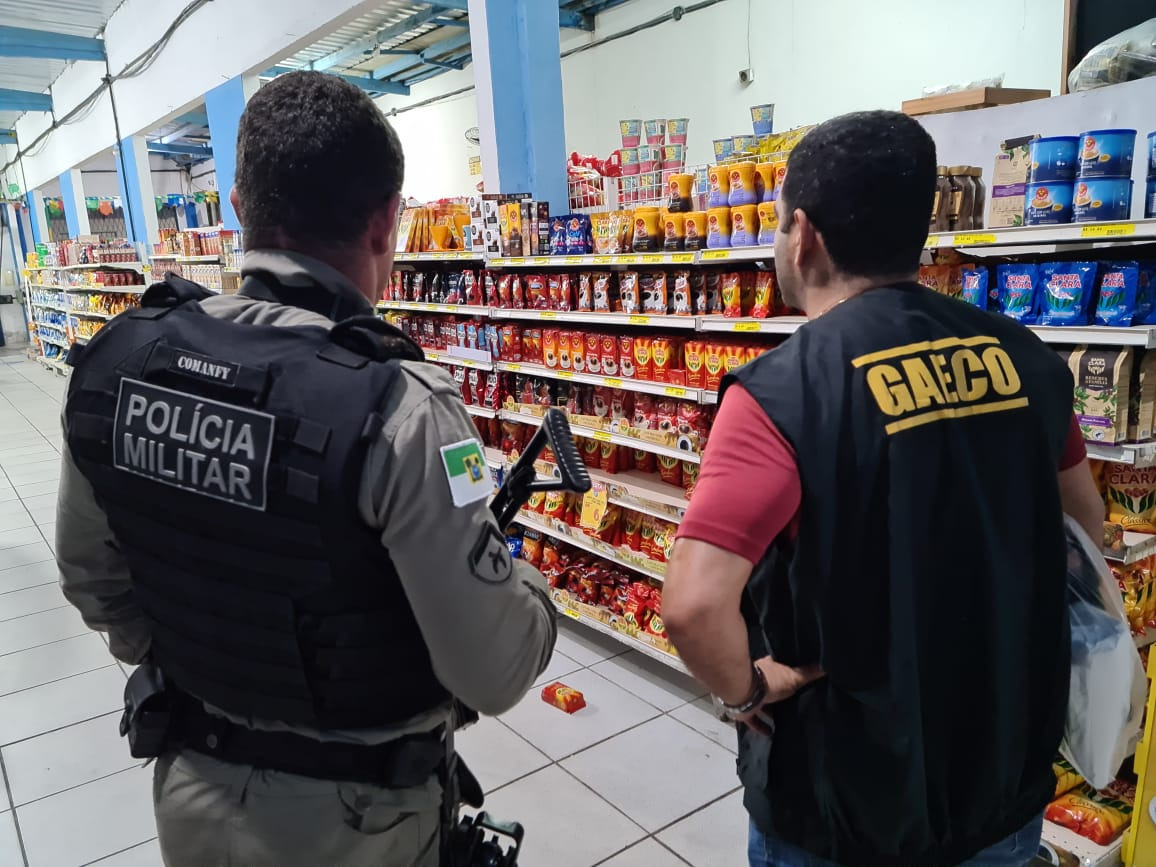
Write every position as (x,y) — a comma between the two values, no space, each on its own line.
(207,447)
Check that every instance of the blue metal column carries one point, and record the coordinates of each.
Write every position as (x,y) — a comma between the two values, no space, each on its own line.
(75,210)
(37,217)
(518,76)
(224,104)
(134,177)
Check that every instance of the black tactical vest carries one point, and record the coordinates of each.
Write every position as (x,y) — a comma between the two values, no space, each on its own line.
(926,577)
(228,459)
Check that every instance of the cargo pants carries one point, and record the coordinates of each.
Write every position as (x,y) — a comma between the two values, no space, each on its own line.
(212,813)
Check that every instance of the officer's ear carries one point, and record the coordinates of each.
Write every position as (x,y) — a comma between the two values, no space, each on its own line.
(235,201)
(383,226)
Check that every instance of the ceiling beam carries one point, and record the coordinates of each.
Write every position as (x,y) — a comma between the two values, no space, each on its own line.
(21,42)
(566,18)
(7,136)
(184,150)
(24,100)
(365,82)
(363,47)
(180,133)
(430,53)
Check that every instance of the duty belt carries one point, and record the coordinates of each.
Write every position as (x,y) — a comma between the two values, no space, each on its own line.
(398,764)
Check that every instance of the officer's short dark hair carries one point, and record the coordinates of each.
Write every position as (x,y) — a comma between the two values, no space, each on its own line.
(316,159)
(867,182)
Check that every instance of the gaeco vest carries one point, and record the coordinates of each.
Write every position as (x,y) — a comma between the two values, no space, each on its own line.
(228,459)
(926,577)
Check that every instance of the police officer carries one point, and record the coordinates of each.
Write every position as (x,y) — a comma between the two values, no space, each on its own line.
(288,518)
(871,574)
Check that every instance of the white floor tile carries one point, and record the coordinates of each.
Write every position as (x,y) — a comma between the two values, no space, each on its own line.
(701,716)
(9,843)
(41,471)
(714,837)
(101,818)
(37,629)
(31,600)
(650,680)
(14,518)
(566,824)
(32,575)
(44,514)
(15,455)
(559,666)
(39,501)
(609,710)
(36,489)
(7,492)
(657,772)
(14,538)
(60,703)
(145,855)
(73,756)
(53,661)
(496,754)
(646,854)
(22,555)
(585,646)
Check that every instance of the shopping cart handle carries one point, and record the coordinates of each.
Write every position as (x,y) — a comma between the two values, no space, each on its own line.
(523,480)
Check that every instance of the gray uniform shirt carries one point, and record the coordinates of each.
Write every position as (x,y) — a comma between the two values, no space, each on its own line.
(488,641)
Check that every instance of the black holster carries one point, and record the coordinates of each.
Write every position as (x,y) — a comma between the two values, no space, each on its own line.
(148,712)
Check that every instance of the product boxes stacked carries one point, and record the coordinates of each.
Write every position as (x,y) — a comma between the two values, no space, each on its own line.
(1080,179)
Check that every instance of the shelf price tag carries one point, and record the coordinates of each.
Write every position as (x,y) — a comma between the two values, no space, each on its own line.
(682,258)
(571,613)
(674,391)
(748,327)
(601,435)
(639,320)
(612,382)
(969,238)
(594,505)
(565,374)
(715,255)
(603,260)
(1120,230)
(511,366)
(651,259)
(572,260)
(547,314)
(539,260)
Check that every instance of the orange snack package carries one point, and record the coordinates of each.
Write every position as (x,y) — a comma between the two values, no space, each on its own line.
(550,347)
(532,547)
(670,470)
(602,299)
(680,293)
(689,477)
(1098,815)
(555,506)
(764,295)
(662,356)
(735,357)
(713,362)
(632,529)
(643,360)
(731,289)
(694,358)
(563,697)
(629,294)
(593,351)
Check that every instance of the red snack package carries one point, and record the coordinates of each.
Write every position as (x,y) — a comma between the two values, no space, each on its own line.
(536,503)
(734,358)
(632,529)
(670,470)
(564,350)
(532,547)
(648,536)
(731,289)
(601,401)
(693,426)
(609,458)
(459,374)
(713,362)
(690,477)
(636,608)
(532,345)
(550,338)
(628,292)
(506,291)
(537,292)
(645,413)
(555,506)
(662,355)
(609,356)
(492,391)
(644,461)
(643,361)
(666,415)
(609,527)
(694,359)
(585,300)
(626,356)
(516,292)
(561,294)
(764,295)
(578,351)
(563,697)
(472,288)
(621,405)
(591,453)
(477,389)
(664,533)
(491,285)
(593,353)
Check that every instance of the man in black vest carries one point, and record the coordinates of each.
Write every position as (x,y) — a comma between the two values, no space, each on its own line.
(288,518)
(877,526)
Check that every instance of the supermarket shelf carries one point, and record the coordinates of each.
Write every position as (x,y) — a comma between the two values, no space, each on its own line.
(621,259)
(1091,854)
(641,386)
(1137,546)
(444,256)
(56,286)
(58,307)
(91,314)
(1100,335)
(446,358)
(634,643)
(481,411)
(1139,455)
(608,436)
(51,341)
(56,365)
(210,260)
(647,319)
(639,492)
(460,309)
(114,290)
(1072,233)
(747,325)
(124,266)
(578,539)
(736,254)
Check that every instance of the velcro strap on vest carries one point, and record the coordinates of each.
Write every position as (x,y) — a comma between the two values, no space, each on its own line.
(87,426)
(305,434)
(341,355)
(295,483)
(373,425)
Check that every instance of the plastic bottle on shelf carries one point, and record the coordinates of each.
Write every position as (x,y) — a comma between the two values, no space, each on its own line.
(942,202)
(959,216)
(980,203)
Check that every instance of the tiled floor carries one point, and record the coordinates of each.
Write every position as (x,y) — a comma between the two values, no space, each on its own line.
(643,776)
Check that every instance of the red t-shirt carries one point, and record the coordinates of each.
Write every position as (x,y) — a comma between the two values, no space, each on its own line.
(748,489)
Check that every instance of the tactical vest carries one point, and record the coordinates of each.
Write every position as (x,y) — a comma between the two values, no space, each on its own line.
(228,459)
(926,577)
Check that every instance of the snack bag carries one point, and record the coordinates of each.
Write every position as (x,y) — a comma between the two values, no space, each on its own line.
(1067,777)
(1065,292)
(1132,497)
(643,359)
(629,295)
(563,697)
(689,477)
(585,300)
(1017,292)
(600,229)
(555,505)
(764,294)
(609,355)
(537,293)
(731,290)
(1119,282)
(1098,815)
(1146,295)
(532,547)
(632,529)
(975,286)
(670,470)
(558,235)
(593,352)
(626,356)
(532,345)
(564,338)
(608,460)
(935,277)
(577,235)
(694,359)
(654,294)
(591,453)
(662,357)
(560,295)
(644,461)
(601,287)
(550,348)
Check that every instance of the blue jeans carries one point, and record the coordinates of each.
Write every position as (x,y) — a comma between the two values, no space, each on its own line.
(1015,851)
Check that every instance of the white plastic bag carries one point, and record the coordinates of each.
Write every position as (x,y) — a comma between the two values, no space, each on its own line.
(1108,686)
(1127,56)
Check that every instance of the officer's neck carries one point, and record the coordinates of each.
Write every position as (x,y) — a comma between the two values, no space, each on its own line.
(820,298)
(353,262)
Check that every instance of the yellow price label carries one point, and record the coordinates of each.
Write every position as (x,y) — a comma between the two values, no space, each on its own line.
(652,259)
(639,320)
(514,260)
(969,238)
(612,382)
(572,613)
(466,254)
(565,374)
(594,505)
(572,260)
(932,243)
(539,260)
(1121,230)
(675,391)
(748,326)
(603,260)
(682,258)
(715,255)
(511,366)
(628,260)
(547,314)
(601,435)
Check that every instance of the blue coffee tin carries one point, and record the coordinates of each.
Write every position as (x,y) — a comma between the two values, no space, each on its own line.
(1047,204)
(1152,154)
(1052,159)
(1150,200)
(1098,200)
(1107,153)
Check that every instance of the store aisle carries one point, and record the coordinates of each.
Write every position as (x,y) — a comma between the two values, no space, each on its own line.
(644,775)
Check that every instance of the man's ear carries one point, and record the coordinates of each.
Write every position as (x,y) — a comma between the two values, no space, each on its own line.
(235,201)
(383,226)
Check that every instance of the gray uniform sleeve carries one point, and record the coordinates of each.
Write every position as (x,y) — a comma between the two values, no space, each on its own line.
(93,574)
(489,634)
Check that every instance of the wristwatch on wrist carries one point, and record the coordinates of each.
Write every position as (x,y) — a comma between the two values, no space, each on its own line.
(755,699)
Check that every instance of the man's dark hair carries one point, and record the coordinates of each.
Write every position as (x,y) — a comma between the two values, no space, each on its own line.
(315,160)
(867,182)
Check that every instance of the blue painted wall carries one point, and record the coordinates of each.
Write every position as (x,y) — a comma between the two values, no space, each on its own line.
(71,217)
(225,104)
